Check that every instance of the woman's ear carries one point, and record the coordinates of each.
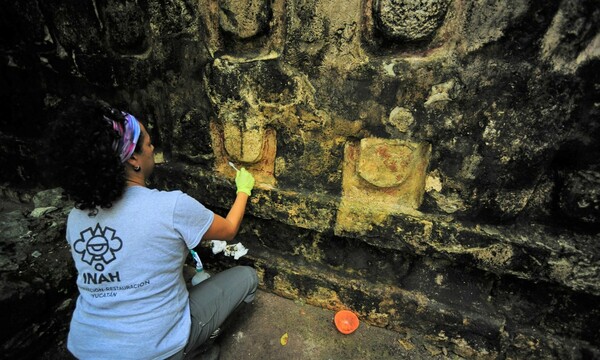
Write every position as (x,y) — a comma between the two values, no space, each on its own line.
(133,161)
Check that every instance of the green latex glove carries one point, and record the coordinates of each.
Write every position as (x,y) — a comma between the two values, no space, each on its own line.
(244,181)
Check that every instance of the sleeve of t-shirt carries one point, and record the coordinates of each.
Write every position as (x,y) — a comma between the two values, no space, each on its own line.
(191,220)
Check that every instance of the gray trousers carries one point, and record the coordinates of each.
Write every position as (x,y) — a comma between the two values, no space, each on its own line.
(214,299)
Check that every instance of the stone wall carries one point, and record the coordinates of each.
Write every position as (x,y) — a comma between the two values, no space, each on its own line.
(433,165)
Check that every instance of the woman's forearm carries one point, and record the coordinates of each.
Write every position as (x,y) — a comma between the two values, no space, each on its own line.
(236,213)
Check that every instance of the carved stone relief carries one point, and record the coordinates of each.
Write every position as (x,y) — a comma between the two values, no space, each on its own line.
(381,177)
(409,20)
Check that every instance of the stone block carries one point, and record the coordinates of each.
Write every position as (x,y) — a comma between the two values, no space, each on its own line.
(381,177)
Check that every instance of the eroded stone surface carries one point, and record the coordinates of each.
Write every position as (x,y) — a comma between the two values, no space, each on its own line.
(487,21)
(573,38)
(409,20)
(400,120)
(128,31)
(244,19)
(580,196)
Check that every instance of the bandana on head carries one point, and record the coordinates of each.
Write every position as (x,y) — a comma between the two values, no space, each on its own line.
(130,133)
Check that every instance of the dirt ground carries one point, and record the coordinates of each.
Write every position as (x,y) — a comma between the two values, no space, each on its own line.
(311,334)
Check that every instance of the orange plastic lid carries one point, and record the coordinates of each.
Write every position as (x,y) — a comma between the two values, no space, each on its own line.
(346,321)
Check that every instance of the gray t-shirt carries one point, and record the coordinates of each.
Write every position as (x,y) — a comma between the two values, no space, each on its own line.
(133,302)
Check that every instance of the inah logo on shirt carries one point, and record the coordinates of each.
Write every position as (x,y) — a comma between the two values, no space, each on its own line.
(98,246)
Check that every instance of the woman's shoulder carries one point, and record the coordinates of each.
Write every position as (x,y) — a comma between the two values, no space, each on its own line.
(181,201)
(154,193)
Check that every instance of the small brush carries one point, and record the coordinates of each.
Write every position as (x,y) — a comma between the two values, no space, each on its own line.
(233,166)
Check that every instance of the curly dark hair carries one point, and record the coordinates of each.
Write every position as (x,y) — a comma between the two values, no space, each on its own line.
(81,154)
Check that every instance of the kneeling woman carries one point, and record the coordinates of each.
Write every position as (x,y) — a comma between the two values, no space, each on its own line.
(129,243)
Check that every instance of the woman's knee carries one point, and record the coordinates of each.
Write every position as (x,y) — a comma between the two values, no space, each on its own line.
(251,273)
(251,277)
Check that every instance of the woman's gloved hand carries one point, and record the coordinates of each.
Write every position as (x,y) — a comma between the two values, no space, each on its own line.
(244,181)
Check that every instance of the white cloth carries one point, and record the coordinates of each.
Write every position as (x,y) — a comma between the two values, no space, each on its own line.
(236,250)
(218,246)
(133,302)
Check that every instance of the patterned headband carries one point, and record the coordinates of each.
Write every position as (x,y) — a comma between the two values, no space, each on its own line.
(129,132)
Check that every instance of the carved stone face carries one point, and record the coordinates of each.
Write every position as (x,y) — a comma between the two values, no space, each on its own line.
(384,165)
